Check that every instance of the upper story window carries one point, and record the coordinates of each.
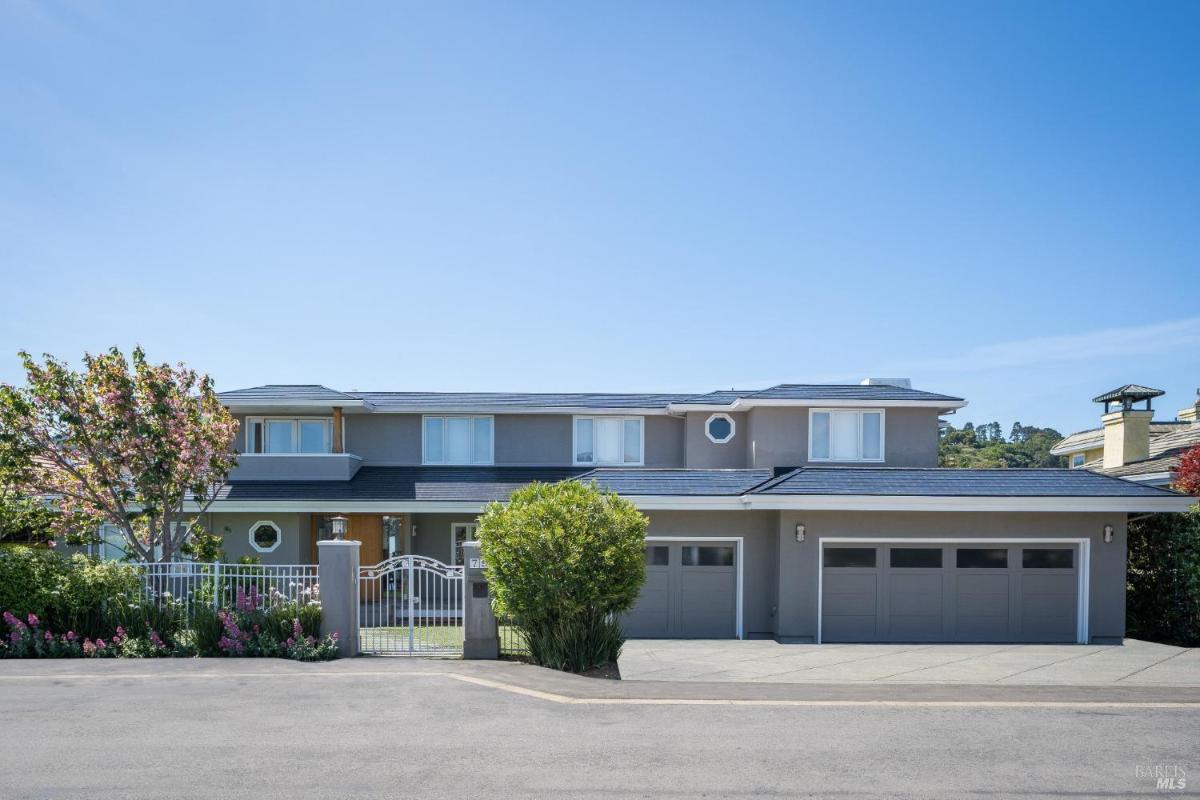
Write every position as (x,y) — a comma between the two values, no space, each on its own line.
(458,440)
(1077,460)
(845,435)
(719,428)
(608,440)
(276,435)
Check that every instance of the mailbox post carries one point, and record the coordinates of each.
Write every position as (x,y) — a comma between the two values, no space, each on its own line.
(481,638)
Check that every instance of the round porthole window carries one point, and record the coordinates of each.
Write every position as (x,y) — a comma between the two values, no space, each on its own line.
(265,536)
(719,429)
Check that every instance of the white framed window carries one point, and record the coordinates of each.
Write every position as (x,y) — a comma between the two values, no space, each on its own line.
(836,434)
(265,536)
(289,435)
(457,440)
(609,440)
(1077,460)
(460,532)
(719,428)
(112,545)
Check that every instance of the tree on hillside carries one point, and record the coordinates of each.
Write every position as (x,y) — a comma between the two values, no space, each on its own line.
(984,447)
(142,447)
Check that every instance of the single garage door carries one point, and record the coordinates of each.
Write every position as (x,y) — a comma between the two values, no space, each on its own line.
(690,592)
(961,593)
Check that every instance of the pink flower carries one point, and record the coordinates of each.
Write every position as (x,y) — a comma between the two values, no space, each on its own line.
(49,636)
(88,647)
(70,636)
(33,620)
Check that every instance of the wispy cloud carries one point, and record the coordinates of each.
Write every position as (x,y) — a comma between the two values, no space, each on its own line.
(1107,343)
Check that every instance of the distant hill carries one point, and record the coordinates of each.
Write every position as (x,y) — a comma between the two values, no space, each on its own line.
(986,446)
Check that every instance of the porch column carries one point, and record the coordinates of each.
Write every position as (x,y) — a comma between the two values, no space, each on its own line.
(481,638)
(338,445)
(337,571)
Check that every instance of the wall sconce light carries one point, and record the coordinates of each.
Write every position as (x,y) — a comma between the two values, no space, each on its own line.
(800,532)
(338,526)
(1108,532)
(414,530)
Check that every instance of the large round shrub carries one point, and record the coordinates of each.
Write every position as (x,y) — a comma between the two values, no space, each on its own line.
(562,561)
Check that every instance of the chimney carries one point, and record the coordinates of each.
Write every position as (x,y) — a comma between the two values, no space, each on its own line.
(1192,412)
(1126,429)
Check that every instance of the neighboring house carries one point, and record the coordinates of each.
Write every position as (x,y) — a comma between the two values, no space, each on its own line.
(1130,443)
(799,512)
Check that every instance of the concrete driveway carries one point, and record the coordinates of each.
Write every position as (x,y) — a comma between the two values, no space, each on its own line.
(1136,663)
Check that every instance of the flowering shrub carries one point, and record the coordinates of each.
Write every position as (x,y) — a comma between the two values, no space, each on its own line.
(246,630)
(252,629)
(28,639)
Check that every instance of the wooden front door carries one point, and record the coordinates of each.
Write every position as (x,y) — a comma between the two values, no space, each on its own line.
(368,529)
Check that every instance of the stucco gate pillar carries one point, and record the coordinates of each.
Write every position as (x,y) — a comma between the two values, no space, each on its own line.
(480,635)
(337,571)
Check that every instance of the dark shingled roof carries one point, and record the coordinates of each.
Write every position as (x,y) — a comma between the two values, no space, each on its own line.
(516,400)
(475,484)
(802,391)
(715,482)
(944,482)
(1132,391)
(484,484)
(523,400)
(284,393)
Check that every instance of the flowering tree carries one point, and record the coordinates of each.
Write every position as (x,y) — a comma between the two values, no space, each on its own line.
(145,448)
(1187,474)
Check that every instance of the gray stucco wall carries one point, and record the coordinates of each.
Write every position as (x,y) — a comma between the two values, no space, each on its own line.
(702,453)
(798,561)
(529,439)
(384,438)
(664,441)
(758,530)
(293,549)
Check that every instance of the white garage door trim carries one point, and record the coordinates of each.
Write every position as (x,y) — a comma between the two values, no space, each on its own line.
(737,558)
(1085,564)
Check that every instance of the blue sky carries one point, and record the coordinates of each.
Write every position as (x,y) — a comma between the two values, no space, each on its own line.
(1001,201)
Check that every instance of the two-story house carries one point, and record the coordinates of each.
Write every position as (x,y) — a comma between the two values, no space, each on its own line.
(799,512)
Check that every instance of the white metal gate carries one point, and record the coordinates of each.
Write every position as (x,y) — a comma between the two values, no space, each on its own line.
(411,605)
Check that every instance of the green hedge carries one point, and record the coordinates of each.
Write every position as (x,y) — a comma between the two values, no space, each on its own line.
(1163,601)
(66,592)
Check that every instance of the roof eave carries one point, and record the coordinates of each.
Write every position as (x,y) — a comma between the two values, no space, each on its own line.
(743,404)
(236,405)
(1076,504)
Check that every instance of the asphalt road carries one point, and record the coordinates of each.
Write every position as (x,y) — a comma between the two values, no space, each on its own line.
(234,729)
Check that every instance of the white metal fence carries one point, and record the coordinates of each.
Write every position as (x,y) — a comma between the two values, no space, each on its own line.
(411,605)
(220,585)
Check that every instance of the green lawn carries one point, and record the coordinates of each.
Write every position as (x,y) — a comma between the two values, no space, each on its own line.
(435,637)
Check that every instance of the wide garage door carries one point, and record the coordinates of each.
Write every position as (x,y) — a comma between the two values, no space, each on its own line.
(961,593)
(690,592)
